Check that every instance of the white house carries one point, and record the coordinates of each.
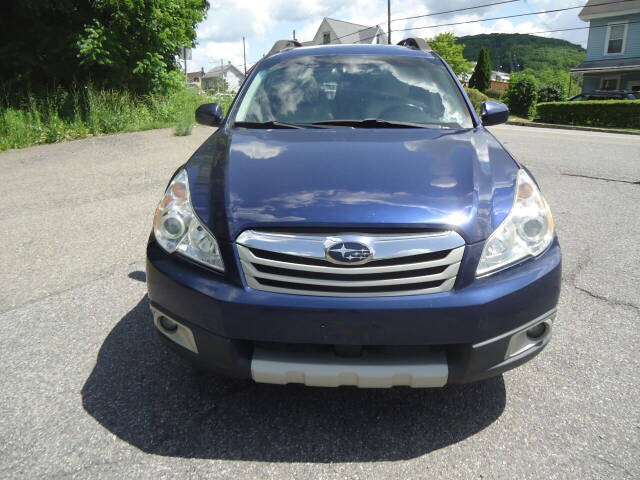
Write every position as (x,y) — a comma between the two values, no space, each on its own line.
(496,75)
(232,75)
(337,32)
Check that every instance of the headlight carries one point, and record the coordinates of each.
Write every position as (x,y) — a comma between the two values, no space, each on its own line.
(526,232)
(177,229)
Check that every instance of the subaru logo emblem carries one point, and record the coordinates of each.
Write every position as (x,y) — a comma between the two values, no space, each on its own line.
(348,252)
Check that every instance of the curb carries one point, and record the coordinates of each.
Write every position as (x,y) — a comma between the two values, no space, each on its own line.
(569,127)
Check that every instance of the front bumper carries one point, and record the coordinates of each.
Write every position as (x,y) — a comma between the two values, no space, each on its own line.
(461,335)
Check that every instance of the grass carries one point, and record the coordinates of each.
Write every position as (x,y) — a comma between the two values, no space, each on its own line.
(66,115)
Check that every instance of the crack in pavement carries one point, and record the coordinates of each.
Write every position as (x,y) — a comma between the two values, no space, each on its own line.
(605,299)
(108,273)
(604,179)
(572,281)
(613,465)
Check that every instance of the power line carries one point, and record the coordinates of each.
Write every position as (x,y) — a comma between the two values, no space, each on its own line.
(579,28)
(427,15)
(535,33)
(484,20)
(507,16)
(455,10)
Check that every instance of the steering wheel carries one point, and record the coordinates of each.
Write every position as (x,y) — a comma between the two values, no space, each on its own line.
(407,112)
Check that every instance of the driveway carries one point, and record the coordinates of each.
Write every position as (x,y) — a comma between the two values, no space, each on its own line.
(87,391)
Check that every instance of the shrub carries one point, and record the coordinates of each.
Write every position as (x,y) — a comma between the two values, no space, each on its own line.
(68,114)
(551,93)
(521,95)
(595,113)
(494,93)
(477,98)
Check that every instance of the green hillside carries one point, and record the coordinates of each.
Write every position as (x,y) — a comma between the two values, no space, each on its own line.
(508,50)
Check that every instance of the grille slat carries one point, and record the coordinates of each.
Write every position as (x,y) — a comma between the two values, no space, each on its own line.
(391,262)
(449,257)
(326,288)
(354,276)
(347,282)
(409,264)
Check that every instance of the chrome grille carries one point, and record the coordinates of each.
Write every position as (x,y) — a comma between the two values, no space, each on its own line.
(401,264)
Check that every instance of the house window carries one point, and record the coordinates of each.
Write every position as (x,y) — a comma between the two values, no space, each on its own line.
(609,83)
(326,38)
(616,38)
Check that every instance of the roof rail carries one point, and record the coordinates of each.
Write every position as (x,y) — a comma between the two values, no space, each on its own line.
(282,45)
(415,43)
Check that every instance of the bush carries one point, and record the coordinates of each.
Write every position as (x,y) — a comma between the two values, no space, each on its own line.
(78,113)
(494,93)
(521,95)
(551,93)
(477,98)
(594,113)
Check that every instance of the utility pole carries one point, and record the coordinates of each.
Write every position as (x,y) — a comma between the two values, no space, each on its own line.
(184,54)
(221,75)
(389,22)
(244,55)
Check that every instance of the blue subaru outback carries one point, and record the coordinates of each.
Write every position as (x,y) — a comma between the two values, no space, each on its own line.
(353,222)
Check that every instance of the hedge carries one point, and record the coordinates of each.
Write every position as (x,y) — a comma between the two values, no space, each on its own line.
(477,98)
(594,113)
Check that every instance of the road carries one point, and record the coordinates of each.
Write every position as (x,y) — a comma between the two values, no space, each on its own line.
(88,392)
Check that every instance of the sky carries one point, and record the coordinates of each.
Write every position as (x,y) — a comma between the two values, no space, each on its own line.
(262,22)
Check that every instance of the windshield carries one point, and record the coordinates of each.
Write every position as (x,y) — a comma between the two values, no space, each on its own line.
(304,90)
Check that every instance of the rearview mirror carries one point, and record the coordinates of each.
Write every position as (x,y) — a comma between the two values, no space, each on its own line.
(209,114)
(493,113)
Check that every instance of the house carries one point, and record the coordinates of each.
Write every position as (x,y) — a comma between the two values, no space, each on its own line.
(232,76)
(195,77)
(496,75)
(337,32)
(613,48)
(499,80)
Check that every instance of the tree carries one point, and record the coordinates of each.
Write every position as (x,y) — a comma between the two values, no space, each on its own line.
(481,78)
(522,94)
(445,45)
(114,44)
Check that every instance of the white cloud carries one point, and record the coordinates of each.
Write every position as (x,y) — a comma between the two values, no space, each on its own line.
(265,21)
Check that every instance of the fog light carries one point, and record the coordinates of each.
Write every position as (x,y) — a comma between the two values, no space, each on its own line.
(167,324)
(537,331)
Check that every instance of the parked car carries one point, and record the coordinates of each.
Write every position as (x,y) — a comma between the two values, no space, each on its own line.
(352,221)
(606,95)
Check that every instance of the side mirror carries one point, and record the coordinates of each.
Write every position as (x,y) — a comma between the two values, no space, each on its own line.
(209,114)
(493,113)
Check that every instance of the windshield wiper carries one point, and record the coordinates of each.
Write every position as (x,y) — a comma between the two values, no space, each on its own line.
(274,124)
(375,123)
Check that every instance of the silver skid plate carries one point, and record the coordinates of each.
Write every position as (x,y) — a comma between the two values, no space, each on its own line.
(367,371)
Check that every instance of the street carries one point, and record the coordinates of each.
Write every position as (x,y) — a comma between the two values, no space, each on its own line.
(88,391)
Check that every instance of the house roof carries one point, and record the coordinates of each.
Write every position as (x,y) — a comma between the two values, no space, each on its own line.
(605,8)
(608,65)
(353,32)
(192,75)
(229,67)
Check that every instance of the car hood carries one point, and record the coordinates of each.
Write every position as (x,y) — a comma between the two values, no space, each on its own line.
(352,178)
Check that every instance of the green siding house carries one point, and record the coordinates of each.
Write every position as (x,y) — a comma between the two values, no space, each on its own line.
(613,48)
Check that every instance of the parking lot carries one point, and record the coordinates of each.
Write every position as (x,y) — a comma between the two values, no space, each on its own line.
(88,392)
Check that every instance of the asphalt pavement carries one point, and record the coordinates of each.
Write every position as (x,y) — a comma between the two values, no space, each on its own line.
(88,392)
